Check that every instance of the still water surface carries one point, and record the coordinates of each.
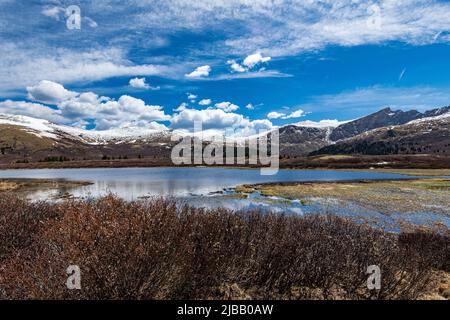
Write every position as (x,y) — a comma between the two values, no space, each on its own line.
(212,187)
(132,183)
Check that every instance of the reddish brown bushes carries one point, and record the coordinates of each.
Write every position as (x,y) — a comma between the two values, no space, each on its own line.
(434,248)
(20,222)
(156,250)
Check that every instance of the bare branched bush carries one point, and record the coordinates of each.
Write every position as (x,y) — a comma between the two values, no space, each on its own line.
(157,249)
(433,247)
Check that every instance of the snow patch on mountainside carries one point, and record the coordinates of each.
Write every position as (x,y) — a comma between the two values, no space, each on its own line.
(439,117)
(39,127)
(44,128)
(320,124)
(119,135)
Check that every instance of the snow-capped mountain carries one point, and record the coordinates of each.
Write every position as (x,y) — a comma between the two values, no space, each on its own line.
(26,139)
(320,137)
(427,135)
(44,128)
(383,118)
(29,139)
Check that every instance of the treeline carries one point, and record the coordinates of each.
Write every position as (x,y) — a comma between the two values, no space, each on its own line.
(66,159)
(382,148)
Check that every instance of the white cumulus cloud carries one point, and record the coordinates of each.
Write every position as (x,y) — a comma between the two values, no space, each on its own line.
(181,107)
(140,83)
(191,97)
(200,72)
(279,115)
(76,108)
(49,92)
(226,106)
(295,114)
(35,110)
(275,115)
(220,121)
(236,66)
(255,59)
(205,102)
(249,63)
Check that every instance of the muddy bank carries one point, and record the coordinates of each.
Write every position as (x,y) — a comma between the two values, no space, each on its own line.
(24,186)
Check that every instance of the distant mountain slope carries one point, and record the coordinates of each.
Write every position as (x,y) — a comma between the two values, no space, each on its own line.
(44,128)
(384,132)
(18,143)
(295,140)
(429,135)
(15,137)
(29,139)
(383,118)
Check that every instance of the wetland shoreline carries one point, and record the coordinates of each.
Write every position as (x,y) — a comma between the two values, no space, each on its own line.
(427,195)
(21,185)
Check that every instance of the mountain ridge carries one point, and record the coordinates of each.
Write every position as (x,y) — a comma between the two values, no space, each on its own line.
(386,131)
(428,135)
(382,118)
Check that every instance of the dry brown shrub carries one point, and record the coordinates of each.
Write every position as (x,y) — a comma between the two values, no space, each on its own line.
(157,249)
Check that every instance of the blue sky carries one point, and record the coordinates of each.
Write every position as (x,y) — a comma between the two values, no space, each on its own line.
(253,64)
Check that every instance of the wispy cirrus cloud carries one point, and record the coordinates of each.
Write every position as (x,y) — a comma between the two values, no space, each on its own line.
(172,38)
(287,27)
(366,100)
(250,75)
(275,28)
(22,67)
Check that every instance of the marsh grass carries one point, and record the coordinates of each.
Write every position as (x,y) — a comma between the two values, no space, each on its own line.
(405,196)
(156,249)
